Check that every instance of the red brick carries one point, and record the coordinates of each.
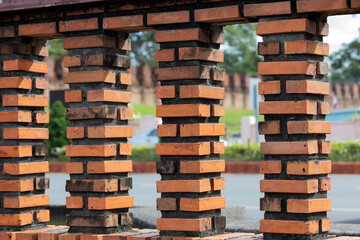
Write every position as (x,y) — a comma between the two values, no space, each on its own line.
(74,167)
(183,110)
(7,31)
(38,30)
(16,219)
(26,201)
(179,73)
(15,47)
(42,83)
(323,108)
(268,48)
(306,47)
(308,86)
(217,37)
(217,111)
(286,26)
(217,184)
(269,127)
(165,55)
(289,227)
(25,133)
(125,149)
(25,65)
(73,96)
(166,204)
(74,202)
(75,132)
(15,116)
(218,14)
(308,167)
(99,76)
(103,167)
(308,205)
(270,204)
(26,168)
(89,42)
(187,186)
(269,87)
(183,149)
(355,3)
(125,113)
(15,151)
(168,17)
(270,167)
(200,91)
(41,117)
(78,25)
(324,184)
(289,148)
(124,44)
(326,226)
(25,101)
(267,9)
(320,5)
(181,35)
(287,107)
(199,53)
(202,129)
(90,150)
(201,204)
(24,185)
(123,22)
(217,74)
(325,147)
(185,225)
(309,127)
(110,132)
(217,147)
(287,68)
(42,51)
(15,82)
(289,186)
(84,10)
(167,130)
(124,78)
(199,167)
(42,216)
(165,92)
(109,96)
(72,61)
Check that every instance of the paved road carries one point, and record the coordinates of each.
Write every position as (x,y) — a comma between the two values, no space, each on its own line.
(241,189)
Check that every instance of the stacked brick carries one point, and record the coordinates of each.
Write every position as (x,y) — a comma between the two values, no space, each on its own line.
(98,111)
(190,166)
(296,166)
(22,132)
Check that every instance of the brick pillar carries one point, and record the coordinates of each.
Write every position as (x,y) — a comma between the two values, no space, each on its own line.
(296,166)
(190,166)
(98,111)
(22,127)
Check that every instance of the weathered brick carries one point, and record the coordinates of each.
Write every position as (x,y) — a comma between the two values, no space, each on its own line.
(125,184)
(26,201)
(200,167)
(74,167)
(320,5)
(91,150)
(168,17)
(78,25)
(89,42)
(74,202)
(109,220)
(21,219)
(306,47)
(326,225)
(7,31)
(165,92)
(25,65)
(26,168)
(289,227)
(102,167)
(323,28)
(15,47)
(190,186)
(15,82)
(165,55)
(289,186)
(40,150)
(308,86)
(269,87)
(199,91)
(72,61)
(42,83)
(15,116)
(308,167)
(217,111)
(217,74)
(270,204)
(183,149)
(184,224)
(42,51)
(308,127)
(75,132)
(287,68)
(323,108)
(217,37)
(199,53)
(270,167)
(25,133)
(179,73)
(23,185)
(107,203)
(123,22)
(101,185)
(287,107)
(218,14)
(308,205)
(110,132)
(15,151)
(84,10)
(191,34)
(42,216)
(289,148)
(126,218)
(38,29)
(167,130)
(165,167)
(183,110)
(268,48)
(324,184)
(201,204)
(42,183)
(269,127)
(325,147)
(267,9)
(202,129)
(125,113)
(108,96)
(124,78)
(41,117)
(166,204)
(25,101)
(99,76)
(322,68)
(110,60)
(286,26)
(101,112)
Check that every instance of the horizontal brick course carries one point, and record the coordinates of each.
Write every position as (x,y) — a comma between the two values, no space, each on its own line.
(201,204)
(289,227)
(183,110)
(15,82)
(103,185)
(269,127)
(308,168)
(26,168)
(199,91)
(78,25)
(123,22)
(199,53)
(269,87)
(180,73)
(107,203)
(74,202)
(90,77)
(218,14)
(309,127)
(270,204)
(191,34)
(289,186)
(38,29)
(192,186)
(286,26)
(186,225)
(25,100)
(306,47)
(91,150)
(102,167)
(168,17)
(267,9)
(108,96)
(287,68)
(26,201)
(270,167)
(308,205)
(289,148)
(320,5)
(288,107)
(199,167)
(192,149)
(202,129)
(308,86)
(25,65)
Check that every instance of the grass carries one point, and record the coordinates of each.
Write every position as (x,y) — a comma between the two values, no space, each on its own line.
(143,110)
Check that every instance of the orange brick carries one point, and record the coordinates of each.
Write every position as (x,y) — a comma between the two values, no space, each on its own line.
(165,92)
(25,101)
(308,86)
(308,168)
(78,25)
(74,202)
(199,167)
(15,82)
(125,113)
(91,150)
(199,91)
(325,225)
(306,47)
(268,48)
(201,204)
(108,96)
(167,130)
(287,107)
(217,147)
(7,31)
(217,111)
(75,132)
(269,127)
(102,167)
(72,61)
(124,44)
(308,205)
(123,22)
(179,73)
(26,201)
(16,219)
(124,78)
(165,55)
(286,68)
(320,5)
(25,65)
(15,116)
(42,216)
(186,225)
(324,184)
(183,149)
(217,184)
(270,204)
(74,167)
(289,227)
(181,35)
(270,167)
(89,42)
(125,149)
(324,147)
(166,204)
(99,203)
(269,87)
(15,151)
(168,17)
(183,110)
(24,185)
(323,108)
(26,133)
(308,127)
(199,53)
(100,76)
(73,96)
(267,9)
(322,68)
(289,148)
(302,25)
(110,132)
(218,14)
(202,129)
(26,168)
(38,29)
(70,236)
(42,83)
(289,186)
(191,186)
(42,117)
(217,74)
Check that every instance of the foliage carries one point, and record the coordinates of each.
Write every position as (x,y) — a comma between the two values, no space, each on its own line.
(347,151)
(57,130)
(242,153)
(143,109)
(240,50)
(345,63)
(143,48)
(144,154)
(56,48)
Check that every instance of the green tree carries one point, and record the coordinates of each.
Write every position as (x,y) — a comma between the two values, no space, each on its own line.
(345,63)
(143,47)
(56,48)
(240,49)
(57,130)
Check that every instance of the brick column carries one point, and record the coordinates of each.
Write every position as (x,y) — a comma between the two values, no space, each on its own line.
(296,166)
(190,167)
(98,111)
(22,127)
